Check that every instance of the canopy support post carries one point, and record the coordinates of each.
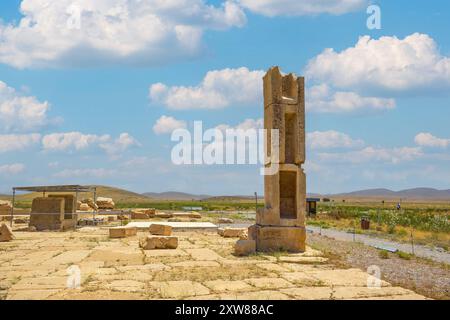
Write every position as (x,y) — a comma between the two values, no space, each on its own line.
(12,206)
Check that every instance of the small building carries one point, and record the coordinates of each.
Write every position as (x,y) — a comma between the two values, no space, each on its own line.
(311,206)
(192,208)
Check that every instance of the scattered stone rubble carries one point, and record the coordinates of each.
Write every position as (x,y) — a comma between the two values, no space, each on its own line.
(91,221)
(244,247)
(160,238)
(105,203)
(160,229)
(231,232)
(122,232)
(89,205)
(158,242)
(226,221)
(142,214)
(191,214)
(6,233)
(163,215)
(85,207)
(5,207)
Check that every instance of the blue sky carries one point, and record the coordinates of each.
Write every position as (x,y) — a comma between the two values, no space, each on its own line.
(76,104)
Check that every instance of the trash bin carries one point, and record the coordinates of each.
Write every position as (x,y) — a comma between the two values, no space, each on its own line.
(365,223)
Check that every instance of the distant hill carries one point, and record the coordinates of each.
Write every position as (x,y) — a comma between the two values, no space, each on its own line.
(232,198)
(415,193)
(368,193)
(4,197)
(381,193)
(121,195)
(172,195)
(117,194)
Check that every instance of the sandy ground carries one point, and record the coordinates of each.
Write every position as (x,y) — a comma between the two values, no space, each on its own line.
(38,265)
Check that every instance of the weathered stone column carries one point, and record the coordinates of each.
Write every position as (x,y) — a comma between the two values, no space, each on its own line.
(280,225)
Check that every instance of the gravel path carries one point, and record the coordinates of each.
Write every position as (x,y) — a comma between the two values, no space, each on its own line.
(428,278)
(419,250)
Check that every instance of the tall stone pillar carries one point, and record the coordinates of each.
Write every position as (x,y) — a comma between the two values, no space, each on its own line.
(280,225)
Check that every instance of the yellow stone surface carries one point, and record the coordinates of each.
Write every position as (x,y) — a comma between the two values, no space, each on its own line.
(203,254)
(269,283)
(349,278)
(35,266)
(226,285)
(179,289)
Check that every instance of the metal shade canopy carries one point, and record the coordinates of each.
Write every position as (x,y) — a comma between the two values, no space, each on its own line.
(62,188)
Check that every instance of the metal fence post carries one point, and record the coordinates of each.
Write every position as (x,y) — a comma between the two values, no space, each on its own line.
(256,205)
(12,206)
(354,231)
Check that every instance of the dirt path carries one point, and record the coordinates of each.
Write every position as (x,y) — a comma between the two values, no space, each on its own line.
(419,250)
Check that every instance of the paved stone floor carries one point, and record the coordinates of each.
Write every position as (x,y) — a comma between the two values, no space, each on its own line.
(37,265)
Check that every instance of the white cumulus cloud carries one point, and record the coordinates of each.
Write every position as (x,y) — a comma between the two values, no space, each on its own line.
(167,124)
(15,142)
(71,140)
(122,143)
(388,63)
(302,7)
(76,141)
(19,112)
(247,124)
(331,139)
(237,87)
(321,98)
(88,173)
(83,32)
(374,154)
(426,139)
(219,89)
(15,168)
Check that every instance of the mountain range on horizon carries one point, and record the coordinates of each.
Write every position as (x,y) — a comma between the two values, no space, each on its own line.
(175,195)
(379,193)
(413,193)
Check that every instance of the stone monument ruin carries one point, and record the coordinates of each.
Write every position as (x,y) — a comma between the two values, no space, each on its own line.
(280,225)
(55,212)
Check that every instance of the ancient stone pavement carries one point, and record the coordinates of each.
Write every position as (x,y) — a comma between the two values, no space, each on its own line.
(36,266)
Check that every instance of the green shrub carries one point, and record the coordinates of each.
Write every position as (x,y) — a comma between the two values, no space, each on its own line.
(383,254)
(402,232)
(426,219)
(404,255)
